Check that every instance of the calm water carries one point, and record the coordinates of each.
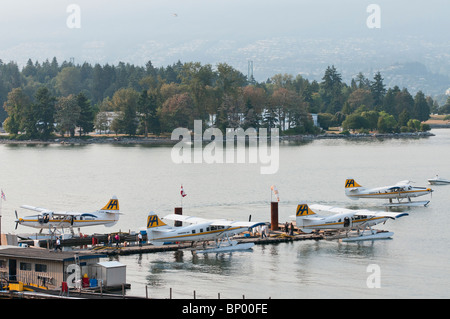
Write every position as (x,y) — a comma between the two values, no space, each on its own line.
(414,264)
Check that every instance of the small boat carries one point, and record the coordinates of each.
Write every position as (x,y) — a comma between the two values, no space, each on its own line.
(438,181)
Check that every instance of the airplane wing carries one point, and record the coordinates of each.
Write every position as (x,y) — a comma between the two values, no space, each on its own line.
(186,219)
(364,212)
(214,222)
(331,209)
(63,214)
(358,212)
(231,223)
(37,209)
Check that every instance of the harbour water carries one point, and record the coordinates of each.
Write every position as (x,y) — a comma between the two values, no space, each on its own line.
(414,264)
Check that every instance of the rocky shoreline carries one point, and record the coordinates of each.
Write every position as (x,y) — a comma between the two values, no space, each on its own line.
(357,136)
(167,141)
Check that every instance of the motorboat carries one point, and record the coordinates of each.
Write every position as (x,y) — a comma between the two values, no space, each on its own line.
(438,181)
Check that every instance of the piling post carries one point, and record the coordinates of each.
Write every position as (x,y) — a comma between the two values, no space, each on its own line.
(274,216)
(178,211)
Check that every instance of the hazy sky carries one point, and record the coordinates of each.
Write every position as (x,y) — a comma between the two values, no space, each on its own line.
(35,28)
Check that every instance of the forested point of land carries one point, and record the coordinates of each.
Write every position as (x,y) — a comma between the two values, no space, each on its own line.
(48,98)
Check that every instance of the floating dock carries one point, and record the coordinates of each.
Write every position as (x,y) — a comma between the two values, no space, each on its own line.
(128,245)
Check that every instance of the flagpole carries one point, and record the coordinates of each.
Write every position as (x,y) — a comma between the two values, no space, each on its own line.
(1,200)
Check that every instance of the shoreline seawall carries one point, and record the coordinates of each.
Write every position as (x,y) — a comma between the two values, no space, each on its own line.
(167,141)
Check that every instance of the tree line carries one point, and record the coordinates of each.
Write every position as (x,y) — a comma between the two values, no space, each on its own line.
(49,97)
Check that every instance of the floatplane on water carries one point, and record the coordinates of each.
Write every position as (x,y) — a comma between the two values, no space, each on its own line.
(400,191)
(198,230)
(344,220)
(52,220)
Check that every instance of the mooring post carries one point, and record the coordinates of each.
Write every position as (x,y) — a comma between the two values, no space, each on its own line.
(274,216)
(178,211)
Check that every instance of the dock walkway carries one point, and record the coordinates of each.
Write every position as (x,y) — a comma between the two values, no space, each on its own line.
(274,238)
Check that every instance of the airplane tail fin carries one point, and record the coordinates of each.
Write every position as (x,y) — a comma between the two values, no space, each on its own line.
(112,206)
(301,216)
(352,188)
(156,229)
(351,183)
(154,221)
(303,211)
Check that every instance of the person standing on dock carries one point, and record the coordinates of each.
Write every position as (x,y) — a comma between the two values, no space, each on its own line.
(140,239)
(264,231)
(58,244)
(117,238)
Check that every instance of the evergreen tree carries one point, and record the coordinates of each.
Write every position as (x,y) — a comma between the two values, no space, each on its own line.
(147,110)
(421,109)
(332,90)
(86,119)
(44,110)
(67,113)
(378,90)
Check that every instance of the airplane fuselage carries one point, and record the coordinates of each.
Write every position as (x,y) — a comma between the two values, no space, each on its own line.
(340,221)
(389,193)
(51,221)
(195,232)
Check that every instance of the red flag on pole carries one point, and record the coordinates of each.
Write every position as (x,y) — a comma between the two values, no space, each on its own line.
(275,191)
(183,194)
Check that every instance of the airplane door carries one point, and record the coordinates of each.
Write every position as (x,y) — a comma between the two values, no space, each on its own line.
(347,222)
(12,270)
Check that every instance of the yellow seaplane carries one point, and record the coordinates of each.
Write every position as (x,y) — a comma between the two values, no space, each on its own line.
(401,191)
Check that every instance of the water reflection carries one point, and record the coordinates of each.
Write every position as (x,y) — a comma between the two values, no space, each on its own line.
(183,263)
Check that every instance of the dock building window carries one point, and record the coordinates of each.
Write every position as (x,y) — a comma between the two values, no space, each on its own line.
(40,268)
(25,266)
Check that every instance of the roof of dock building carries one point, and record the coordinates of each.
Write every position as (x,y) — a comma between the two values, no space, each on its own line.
(45,254)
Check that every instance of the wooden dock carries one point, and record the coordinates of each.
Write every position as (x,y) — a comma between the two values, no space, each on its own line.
(134,248)
(128,245)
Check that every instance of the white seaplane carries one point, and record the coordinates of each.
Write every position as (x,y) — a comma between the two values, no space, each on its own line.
(400,191)
(344,220)
(48,219)
(198,230)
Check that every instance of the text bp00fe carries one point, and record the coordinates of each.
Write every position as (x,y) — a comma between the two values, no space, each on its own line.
(247,308)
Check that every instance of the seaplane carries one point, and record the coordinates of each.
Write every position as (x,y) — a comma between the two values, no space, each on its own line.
(198,230)
(344,220)
(53,220)
(401,191)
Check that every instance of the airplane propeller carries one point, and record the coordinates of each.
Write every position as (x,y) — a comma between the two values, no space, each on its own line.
(17,220)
